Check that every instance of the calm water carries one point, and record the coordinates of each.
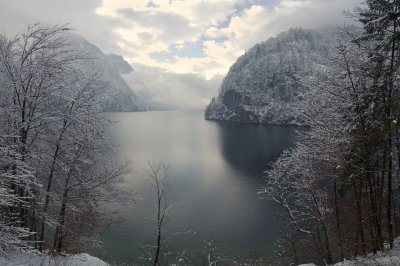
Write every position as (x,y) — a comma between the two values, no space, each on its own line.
(216,171)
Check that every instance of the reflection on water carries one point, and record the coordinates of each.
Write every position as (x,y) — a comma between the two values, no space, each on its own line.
(217,169)
(250,148)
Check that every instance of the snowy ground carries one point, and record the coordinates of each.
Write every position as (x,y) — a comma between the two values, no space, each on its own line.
(389,258)
(37,259)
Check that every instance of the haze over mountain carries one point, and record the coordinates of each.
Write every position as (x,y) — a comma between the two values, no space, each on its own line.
(163,90)
(138,87)
(117,95)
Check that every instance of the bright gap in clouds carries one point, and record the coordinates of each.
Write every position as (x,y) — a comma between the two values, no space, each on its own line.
(207,36)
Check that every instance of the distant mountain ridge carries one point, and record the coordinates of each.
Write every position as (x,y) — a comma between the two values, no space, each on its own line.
(117,96)
(264,85)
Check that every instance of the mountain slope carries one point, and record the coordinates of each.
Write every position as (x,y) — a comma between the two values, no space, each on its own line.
(118,96)
(264,85)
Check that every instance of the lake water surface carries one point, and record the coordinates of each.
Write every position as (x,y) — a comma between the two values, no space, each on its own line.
(216,171)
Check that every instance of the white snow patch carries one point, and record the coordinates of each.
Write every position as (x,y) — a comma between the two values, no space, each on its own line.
(388,258)
(32,259)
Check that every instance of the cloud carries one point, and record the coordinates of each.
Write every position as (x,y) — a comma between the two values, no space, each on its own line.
(17,14)
(180,91)
(213,33)
(224,28)
(169,26)
(257,23)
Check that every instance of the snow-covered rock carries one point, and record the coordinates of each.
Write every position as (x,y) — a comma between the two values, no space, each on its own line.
(35,258)
(265,84)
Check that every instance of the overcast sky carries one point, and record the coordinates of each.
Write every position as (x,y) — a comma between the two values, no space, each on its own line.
(200,37)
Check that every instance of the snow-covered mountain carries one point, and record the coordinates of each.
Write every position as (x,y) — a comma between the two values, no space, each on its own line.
(117,96)
(264,85)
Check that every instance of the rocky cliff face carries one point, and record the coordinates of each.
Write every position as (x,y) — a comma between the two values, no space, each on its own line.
(117,96)
(265,84)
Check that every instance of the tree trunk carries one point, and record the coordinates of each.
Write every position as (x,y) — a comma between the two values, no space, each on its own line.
(339,231)
(159,226)
(49,180)
(59,235)
(389,196)
(359,217)
(329,257)
(374,215)
(157,254)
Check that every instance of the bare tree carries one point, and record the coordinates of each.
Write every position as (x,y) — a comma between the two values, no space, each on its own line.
(54,139)
(159,174)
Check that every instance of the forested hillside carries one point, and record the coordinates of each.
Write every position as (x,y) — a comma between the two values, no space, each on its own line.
(265,85)
(339,186)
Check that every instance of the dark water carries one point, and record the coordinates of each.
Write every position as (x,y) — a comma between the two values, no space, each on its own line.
(216,171)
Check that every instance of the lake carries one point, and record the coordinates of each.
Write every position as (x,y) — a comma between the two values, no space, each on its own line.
(217,168)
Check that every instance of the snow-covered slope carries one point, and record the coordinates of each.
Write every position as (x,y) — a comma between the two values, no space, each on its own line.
(118,96)
(388,258)
(264,85)
(36,258)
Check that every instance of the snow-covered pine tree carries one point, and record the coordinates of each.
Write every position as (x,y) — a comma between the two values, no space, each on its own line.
(380,41)
(346,164)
